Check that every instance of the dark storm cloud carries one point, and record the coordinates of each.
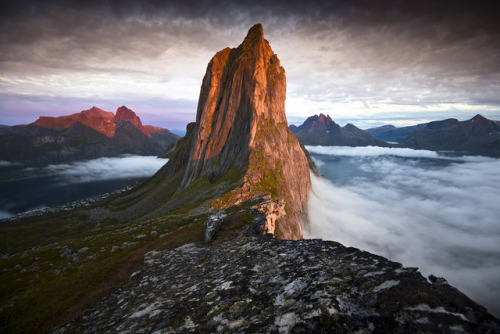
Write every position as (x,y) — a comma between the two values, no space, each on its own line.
(404,52)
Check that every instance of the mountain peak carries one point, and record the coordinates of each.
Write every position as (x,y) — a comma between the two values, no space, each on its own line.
(256,31)
(125,114)
(240,121)
(478,118)
(128,115)
(322,130)
(94,111)
(255,45)
(94,118)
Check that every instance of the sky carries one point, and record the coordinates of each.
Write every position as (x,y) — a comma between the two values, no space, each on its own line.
(366,62)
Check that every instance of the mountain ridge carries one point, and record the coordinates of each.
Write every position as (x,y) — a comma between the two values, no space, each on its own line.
(322,130)
(89,134)
(477,135)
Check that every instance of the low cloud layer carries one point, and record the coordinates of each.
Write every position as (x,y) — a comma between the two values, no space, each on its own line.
(108,168)
(371,151)
(442,218)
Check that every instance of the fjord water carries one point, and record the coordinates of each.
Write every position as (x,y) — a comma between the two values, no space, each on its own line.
(71,182)
(437,212)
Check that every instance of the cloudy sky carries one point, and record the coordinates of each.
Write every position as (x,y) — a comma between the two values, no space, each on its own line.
(366,62)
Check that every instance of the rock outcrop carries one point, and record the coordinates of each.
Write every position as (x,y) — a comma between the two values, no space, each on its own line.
(241,126)
(257,284)
(322,130)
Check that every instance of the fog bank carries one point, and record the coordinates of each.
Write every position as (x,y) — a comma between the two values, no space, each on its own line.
(442,219)
(124,167)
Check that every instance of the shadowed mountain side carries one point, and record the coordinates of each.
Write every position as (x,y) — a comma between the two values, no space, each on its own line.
(394,134)
(475,136)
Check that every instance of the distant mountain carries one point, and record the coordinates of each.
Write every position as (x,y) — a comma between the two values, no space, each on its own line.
(88,134)
(390,133)
(322,130)
(478,135)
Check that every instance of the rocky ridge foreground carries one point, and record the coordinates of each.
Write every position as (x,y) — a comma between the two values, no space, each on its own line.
(254,283)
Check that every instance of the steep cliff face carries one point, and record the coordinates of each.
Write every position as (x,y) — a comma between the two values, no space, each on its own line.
(241,125)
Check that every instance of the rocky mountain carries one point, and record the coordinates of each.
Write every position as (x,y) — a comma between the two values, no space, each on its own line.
(390,133)
(88,134)
(478,135)
(241,134)
(322,130)
(198,248)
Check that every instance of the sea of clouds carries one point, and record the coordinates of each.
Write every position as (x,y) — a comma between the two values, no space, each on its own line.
(444,220)
(124,167)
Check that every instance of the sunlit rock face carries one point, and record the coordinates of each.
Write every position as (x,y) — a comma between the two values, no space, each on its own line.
(241,125)
(94,118)
(102,121)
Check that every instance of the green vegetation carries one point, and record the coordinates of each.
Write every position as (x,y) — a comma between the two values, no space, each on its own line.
(271,177)
(54,266)
(49,281)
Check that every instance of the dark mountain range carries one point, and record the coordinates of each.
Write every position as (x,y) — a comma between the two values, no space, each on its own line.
(88,134)
(390,133)
(478,135)
(322,130)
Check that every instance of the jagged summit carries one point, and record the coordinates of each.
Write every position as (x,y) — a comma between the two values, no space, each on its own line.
(322,130)
(241,127)
(255,31)
(127,115)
